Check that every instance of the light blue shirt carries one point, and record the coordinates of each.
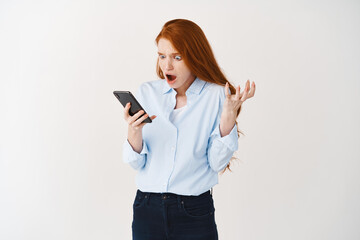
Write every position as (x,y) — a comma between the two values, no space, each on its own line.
(184,158)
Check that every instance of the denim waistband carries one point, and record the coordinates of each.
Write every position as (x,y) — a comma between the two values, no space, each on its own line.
(172,195)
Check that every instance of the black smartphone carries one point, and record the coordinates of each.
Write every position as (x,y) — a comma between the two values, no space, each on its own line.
(126,96)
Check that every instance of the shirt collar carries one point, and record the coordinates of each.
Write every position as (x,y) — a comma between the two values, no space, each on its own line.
(195,87)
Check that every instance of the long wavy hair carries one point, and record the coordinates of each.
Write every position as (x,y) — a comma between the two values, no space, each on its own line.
(190,41)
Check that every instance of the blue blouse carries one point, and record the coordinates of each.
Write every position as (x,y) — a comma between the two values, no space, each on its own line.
(183,159)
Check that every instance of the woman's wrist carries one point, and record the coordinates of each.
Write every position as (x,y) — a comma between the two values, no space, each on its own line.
(227,123)
(135,139)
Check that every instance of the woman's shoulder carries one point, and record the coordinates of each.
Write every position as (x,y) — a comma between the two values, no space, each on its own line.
(153,83)
(215,86)
(157,82)
(214,89)
(152,86)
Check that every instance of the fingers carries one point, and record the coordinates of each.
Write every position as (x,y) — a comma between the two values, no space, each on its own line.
(246,91)
(135,121)
(133,118)
(252,91)
(127,116)
(126,110)
(237,94)
(227,95)
(241,96)
(139,122)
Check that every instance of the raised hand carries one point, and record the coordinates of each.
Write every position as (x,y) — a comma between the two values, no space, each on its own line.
(232,104)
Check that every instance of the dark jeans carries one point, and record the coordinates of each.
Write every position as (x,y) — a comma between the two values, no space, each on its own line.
(168,216)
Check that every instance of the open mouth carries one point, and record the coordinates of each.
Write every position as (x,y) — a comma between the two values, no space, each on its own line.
(170,77)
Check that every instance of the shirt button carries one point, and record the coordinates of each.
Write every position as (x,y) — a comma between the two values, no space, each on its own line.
(172,148)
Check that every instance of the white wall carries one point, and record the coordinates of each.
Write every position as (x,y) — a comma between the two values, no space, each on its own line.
(61,129)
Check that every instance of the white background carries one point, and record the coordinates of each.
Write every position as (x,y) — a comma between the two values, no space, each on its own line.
(61,128)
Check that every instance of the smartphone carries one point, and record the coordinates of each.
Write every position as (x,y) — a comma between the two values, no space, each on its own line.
(126,96)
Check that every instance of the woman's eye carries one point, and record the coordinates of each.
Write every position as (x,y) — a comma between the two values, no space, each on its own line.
(178,58)
(161,56)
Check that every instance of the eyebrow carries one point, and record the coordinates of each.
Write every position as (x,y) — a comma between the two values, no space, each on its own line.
(170,54)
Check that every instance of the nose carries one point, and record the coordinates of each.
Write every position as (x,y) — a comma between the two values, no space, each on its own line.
(168,64)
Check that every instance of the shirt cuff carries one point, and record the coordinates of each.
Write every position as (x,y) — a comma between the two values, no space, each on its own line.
(130,155)
(230,140)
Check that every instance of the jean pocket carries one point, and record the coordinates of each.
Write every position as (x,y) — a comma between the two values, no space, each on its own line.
(198,207)
(139,201)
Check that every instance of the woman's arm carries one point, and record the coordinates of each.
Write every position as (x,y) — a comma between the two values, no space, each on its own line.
(135,139)
(220,149)
(231,106)
(227,123)
(134,148)
(223,140)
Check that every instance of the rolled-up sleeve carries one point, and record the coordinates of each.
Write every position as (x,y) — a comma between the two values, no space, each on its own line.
(135,159)
(220,149)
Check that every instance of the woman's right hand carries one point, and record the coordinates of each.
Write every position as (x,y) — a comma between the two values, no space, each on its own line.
(135,125)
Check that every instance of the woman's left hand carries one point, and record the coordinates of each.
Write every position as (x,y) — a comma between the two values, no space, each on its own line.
(233,101)
(232,104)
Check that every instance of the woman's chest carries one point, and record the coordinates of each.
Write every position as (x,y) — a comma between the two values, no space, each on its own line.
(180,102)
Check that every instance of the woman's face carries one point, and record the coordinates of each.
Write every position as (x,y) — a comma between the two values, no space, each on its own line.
(176,73)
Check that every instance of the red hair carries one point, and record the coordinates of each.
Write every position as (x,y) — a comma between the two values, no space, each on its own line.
(190,41)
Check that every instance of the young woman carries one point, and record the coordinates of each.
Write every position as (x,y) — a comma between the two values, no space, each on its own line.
(179,155)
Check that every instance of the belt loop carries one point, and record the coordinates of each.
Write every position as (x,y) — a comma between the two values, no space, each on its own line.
(148,198)
(179,201)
